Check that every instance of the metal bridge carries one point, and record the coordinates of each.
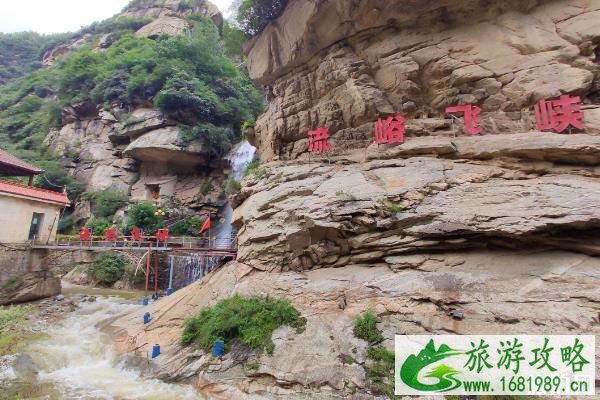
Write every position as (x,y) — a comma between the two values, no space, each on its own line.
(147,249)
(224,246)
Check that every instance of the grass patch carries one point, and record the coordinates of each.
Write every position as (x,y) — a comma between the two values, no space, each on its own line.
(380,367)
(345,195)
(251,366)
(232,186)
(206,188)
(13,328)
(380,372)
(253,169)
(249,320)
(391,206)
(348,360)
(365,328)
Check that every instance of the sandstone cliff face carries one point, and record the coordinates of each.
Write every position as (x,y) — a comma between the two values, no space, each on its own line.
(344,64)
(501,227)
(132,151)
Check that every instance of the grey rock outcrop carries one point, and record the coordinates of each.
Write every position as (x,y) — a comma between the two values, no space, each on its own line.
(445,233)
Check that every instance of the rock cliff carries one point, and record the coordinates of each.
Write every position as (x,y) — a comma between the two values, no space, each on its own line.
(501,228)
(135,147)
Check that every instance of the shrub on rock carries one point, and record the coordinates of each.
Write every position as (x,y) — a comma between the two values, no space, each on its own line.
(108,269)
(248,320)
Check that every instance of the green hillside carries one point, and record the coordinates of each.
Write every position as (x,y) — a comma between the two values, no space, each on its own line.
(188,77)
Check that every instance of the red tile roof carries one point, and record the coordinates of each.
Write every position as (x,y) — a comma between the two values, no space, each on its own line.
(13,166)
(32,192)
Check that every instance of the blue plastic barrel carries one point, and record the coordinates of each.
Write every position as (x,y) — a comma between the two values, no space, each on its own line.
(154,297)
(145,301)
(218,349)
(169,291)
(155,351)
(146,318)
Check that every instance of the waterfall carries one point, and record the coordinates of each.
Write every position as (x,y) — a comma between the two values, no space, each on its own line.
(240,156)
(190,268)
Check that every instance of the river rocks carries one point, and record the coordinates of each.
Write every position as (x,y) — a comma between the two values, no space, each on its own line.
(30,286)
(18,367)
(502,58)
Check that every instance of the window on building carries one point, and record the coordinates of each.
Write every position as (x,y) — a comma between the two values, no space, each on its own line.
(36,223)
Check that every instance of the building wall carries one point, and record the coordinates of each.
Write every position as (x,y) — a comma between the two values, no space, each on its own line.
(15,219)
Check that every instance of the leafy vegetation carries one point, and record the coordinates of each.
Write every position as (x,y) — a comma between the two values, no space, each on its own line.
(254,15)
(56,178)
(232,186)
(189,226)
(21,52)
(108,268)
(253,169)
(233,41)
(66,223)
(218,139)
(189,77)
(391,206)
(380,372)
(14,327)
(345,195)
(249,320)
(206,188)
(141,214)
(106,203)
(97,225)
(365,328)
(380,368)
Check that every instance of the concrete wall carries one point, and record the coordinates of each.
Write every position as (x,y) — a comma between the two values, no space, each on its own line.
(15,219)
(24,275)
(14,261)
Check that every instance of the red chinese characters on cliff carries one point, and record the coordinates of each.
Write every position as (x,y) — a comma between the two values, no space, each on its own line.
(559,114)
(390,130)
(318,141)
(471,113)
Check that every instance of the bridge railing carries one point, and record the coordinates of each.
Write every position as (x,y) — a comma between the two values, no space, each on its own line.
(183,242)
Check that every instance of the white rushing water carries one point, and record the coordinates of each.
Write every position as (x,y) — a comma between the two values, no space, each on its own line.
(190,268)
(79,362)
(240,156)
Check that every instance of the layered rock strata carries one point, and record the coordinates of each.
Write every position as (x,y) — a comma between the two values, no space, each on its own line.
(501,228)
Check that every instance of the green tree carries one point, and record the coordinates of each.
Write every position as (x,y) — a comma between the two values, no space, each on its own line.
(254,15)
(107,202)
(108,268)
(142,215)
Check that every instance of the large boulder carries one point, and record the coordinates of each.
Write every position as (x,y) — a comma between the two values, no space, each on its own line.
(158,9)
(30,286)
(166,145)
(140,121)
(163,26)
